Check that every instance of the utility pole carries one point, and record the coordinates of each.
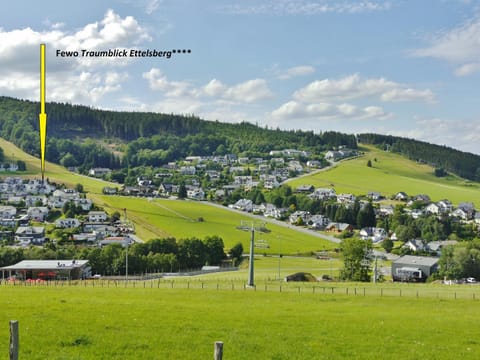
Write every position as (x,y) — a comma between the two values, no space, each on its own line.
(252,226)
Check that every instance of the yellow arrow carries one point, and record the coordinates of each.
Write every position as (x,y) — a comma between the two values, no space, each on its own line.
(42,116)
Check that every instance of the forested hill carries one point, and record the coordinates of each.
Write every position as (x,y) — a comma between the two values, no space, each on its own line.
(151,139)
(466,165)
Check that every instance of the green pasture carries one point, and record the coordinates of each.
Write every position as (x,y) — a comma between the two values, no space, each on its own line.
(267,270)
(180,219)
(147,322)
(391,173)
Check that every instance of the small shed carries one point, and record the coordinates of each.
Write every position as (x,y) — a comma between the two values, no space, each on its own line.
(48,270)
(414,268)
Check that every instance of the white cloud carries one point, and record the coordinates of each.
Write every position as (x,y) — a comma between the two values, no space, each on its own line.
(305,7)
(85,87)
(460,45)
(246,92)
(214,88)
(292,72)
(353,86)
(408,94)
(294,110)
(467,69)
(68,79)
(152,5)
(158,81)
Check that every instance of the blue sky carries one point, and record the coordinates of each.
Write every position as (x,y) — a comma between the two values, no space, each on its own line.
(407,68)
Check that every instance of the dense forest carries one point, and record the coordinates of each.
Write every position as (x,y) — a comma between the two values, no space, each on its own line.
(464,164)
(77,136)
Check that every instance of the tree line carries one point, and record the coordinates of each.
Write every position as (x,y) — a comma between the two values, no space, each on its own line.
(157,255)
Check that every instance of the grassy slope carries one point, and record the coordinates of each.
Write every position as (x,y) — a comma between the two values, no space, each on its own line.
(150,323)
(161,218)
(390,174)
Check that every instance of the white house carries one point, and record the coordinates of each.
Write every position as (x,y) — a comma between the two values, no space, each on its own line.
(8,212)
(67,223)
(318,222)
(196,194)
(304,215)
(187,170)
(243,204)
(27,235)
(373,233)
(99,172)
(85,204)
(323,194)
(401,196)
(415,245)
(460,213)
(69,194)
(97,216)
(37,213)
(346,198)
(432,209)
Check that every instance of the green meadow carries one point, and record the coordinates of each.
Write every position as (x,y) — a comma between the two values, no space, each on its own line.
(180,219)
(391,173)
(150,322)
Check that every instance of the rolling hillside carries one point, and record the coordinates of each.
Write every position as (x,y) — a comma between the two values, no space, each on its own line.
(389,174)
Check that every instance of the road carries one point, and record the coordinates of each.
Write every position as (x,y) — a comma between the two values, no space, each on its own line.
(279,223)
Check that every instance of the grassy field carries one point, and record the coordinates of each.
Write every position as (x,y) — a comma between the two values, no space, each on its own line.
(179,218)
(389,174)
(79,322)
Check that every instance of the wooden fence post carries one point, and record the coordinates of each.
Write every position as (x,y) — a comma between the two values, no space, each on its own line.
(218,350)
(13,340)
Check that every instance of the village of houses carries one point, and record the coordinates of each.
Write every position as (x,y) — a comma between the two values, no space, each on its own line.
(281,166)
(39,198)
(27,204)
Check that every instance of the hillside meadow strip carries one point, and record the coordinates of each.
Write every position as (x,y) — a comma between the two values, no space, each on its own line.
(181,219)
(390,173)
(76,322)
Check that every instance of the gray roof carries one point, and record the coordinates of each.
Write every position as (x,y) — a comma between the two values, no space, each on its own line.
(416,260)
(46,264)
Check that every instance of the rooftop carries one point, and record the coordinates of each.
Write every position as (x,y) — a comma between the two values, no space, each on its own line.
(46,264)
(416,260)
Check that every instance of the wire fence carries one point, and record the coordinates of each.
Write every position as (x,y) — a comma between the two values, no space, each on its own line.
(471,292)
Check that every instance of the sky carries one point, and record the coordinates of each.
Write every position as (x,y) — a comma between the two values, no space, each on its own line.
(400,67)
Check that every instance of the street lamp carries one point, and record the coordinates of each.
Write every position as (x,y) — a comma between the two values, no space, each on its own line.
(279,256)
(127,240)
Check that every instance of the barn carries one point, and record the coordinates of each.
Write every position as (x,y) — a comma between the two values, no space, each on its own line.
(413,268)
(48,270)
